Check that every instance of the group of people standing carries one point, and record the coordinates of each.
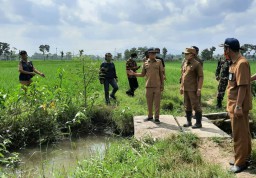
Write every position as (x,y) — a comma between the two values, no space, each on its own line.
(235,73)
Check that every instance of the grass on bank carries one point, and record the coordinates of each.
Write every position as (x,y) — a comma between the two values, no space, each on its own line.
(176,156)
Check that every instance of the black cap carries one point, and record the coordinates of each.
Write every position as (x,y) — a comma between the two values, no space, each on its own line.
(196,48)
(134,55)
(23,52)
(232,43)
(108,55)
(152,50)
(158,50)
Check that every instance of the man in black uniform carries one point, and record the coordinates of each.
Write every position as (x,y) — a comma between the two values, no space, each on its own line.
(133,82)
(222,72)
(197,57)
(158,56)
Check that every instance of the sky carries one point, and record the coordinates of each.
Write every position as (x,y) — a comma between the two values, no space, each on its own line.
(100,26)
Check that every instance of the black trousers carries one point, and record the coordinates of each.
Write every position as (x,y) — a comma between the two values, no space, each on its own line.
(133,83)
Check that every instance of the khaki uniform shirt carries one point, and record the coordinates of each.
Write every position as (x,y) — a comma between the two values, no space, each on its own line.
(191,71)
(153,69)
(239,74)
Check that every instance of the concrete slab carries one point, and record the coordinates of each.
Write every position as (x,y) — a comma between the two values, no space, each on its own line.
(169,126)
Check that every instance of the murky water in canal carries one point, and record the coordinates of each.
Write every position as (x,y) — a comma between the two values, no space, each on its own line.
(62,156)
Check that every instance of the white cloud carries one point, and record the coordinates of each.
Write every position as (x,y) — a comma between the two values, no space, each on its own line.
(43,2)
(114,25)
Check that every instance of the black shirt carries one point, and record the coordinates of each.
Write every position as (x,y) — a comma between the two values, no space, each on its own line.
(27,66)
(110,70)
(161,60)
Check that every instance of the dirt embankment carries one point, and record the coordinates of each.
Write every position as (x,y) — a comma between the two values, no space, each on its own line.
(221,152)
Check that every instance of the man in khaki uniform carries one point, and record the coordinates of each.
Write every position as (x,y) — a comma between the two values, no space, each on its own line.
(191,85)
(196,58)
(153,70)
(239,103)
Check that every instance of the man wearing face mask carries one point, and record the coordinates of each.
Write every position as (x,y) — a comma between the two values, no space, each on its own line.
(222,72)
(239,103)
(191,85)
(108,77)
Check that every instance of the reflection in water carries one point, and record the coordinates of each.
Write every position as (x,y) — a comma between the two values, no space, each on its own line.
(62,156)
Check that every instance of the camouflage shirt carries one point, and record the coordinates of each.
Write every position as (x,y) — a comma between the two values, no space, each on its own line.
(222,69)
(131,65)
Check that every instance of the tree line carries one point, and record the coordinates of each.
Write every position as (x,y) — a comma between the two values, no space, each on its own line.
(8,53)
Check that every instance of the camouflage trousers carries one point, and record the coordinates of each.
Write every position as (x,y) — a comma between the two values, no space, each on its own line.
(222,88)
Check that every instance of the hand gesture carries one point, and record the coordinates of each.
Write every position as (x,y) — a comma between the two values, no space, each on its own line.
(181,91)
(42,75)
(130,72)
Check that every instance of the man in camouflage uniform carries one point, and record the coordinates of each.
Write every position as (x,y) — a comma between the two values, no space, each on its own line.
(221,74)
(133,83)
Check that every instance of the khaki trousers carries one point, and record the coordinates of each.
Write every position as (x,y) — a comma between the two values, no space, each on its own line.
(242,137)
(153,95)
(192,101)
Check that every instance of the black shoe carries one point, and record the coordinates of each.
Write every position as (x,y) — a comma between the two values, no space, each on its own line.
(149,119)
(157,121)
(107,103)
(237,169)
(248,162)
(113,97)
(197,126)
(188,124)
(218,107)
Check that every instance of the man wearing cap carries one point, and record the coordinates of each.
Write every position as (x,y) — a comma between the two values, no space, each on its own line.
(191,85)
(107,76)
(196,58)
(239,103)
(133,83)
(153,70)
(26,69)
